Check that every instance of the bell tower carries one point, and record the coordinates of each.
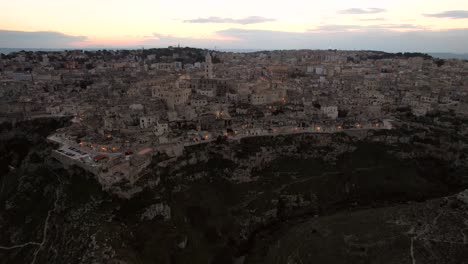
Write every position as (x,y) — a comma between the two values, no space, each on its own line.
(208,67)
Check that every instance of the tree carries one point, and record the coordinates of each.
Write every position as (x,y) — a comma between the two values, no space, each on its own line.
(216,60)
(439,62)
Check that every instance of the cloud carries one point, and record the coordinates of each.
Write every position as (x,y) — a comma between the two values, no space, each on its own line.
(37,39)
(361,11)
(341,28)
(453,14)
(241,21)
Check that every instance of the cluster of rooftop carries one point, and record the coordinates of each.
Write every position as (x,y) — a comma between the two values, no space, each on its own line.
(128,106)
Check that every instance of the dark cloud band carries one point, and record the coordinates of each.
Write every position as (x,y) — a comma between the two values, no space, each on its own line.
(37,39)
(453,14)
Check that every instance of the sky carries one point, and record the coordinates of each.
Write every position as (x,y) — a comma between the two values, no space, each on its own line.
(388,25)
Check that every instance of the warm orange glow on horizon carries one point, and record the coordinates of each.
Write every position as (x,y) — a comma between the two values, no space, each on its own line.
(122,23)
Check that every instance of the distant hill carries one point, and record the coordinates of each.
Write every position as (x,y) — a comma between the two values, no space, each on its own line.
(440,55)
(10,50)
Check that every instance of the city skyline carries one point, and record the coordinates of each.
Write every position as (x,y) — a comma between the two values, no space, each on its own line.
(425,26)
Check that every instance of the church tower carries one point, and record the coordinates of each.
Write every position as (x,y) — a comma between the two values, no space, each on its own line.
(208,67)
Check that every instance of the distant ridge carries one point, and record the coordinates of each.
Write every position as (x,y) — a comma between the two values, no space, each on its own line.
(10,50)
(440,55)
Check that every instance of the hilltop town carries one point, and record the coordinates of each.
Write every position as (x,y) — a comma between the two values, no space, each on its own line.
(129,106)
(184,155)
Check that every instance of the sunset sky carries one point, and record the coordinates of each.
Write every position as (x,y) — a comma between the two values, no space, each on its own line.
(409,25)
